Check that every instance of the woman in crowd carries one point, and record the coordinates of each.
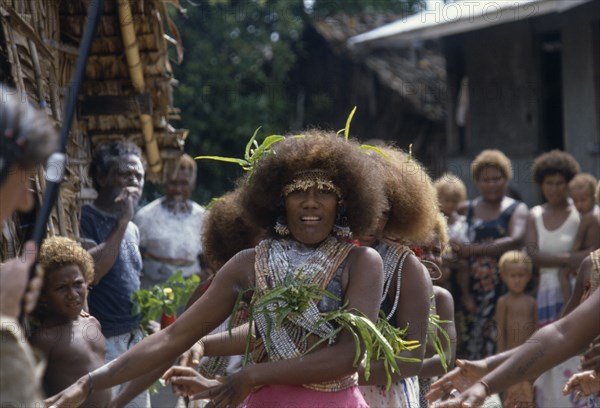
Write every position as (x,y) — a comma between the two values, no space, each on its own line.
(496,223)
(551,231)
(305,189)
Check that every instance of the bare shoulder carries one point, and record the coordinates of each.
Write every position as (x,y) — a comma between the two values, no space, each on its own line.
(239,270)
(361,259)
(87,320)
(414,272)
(521,209)
(442,294)
(364,253)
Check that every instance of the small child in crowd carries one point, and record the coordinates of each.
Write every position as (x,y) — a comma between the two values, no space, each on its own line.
(516,317)
(451,192)
(582,189)
(431,257)
(70,338)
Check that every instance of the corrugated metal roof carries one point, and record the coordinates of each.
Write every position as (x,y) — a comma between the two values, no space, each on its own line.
(440,20)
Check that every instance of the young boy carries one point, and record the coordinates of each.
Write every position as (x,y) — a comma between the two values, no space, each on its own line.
(70,338)
(516,317)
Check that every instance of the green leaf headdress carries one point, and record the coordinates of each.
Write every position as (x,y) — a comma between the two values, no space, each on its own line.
(253,153)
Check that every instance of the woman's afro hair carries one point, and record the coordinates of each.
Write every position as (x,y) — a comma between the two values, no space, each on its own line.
(411,196)
(348,167)
(227,230)
(491,158)
(554,162)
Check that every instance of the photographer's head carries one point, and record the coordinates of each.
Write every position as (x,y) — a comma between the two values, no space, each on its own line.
(27,138)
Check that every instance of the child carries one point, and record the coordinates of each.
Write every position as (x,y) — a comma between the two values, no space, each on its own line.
(431,257)
(516,317)
(581,189)
(70,338)
(451,192)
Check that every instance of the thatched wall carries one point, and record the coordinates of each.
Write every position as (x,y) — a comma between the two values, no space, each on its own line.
(39,43)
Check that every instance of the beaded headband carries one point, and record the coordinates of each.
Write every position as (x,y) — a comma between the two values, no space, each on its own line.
(306,179)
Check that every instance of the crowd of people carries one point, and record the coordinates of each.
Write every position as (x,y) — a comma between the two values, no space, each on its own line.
(342,276)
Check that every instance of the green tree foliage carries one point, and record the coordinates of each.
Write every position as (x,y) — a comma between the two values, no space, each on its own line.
(237,73)
(233,79)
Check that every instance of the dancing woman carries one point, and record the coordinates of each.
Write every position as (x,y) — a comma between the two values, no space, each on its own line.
(313,182)
(408,294)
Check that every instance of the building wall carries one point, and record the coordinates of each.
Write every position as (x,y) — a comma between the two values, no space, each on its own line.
(502,66)
(580,85)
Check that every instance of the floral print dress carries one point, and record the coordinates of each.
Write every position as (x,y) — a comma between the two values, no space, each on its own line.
(479,331)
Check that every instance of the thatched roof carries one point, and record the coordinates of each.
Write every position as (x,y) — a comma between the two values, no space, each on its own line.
(417,74)
(39,43)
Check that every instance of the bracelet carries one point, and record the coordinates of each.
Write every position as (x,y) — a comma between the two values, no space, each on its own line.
(90,384)
(486,386)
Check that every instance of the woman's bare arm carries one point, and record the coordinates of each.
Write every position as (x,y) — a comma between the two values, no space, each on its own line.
(445,309)
(413,311)
(163,347)
(549,346)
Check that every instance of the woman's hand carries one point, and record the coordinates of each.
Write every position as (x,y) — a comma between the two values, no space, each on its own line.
(591,358)
(471,397)
(460,378)
(186,381)
(73,396)
(583,384)
(191,358)
(231,392)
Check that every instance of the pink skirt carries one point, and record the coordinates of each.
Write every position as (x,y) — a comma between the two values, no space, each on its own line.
(296,396)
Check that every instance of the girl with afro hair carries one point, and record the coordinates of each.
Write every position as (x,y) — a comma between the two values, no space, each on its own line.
(308,191)
(410,217)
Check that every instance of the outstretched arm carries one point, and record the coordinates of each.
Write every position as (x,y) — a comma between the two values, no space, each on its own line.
(163,347)
(547,347)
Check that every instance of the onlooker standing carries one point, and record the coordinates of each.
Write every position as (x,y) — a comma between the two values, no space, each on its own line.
(118,175)
(171,239)
(496,224)
(516,317)
(171,228)
(551,232)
